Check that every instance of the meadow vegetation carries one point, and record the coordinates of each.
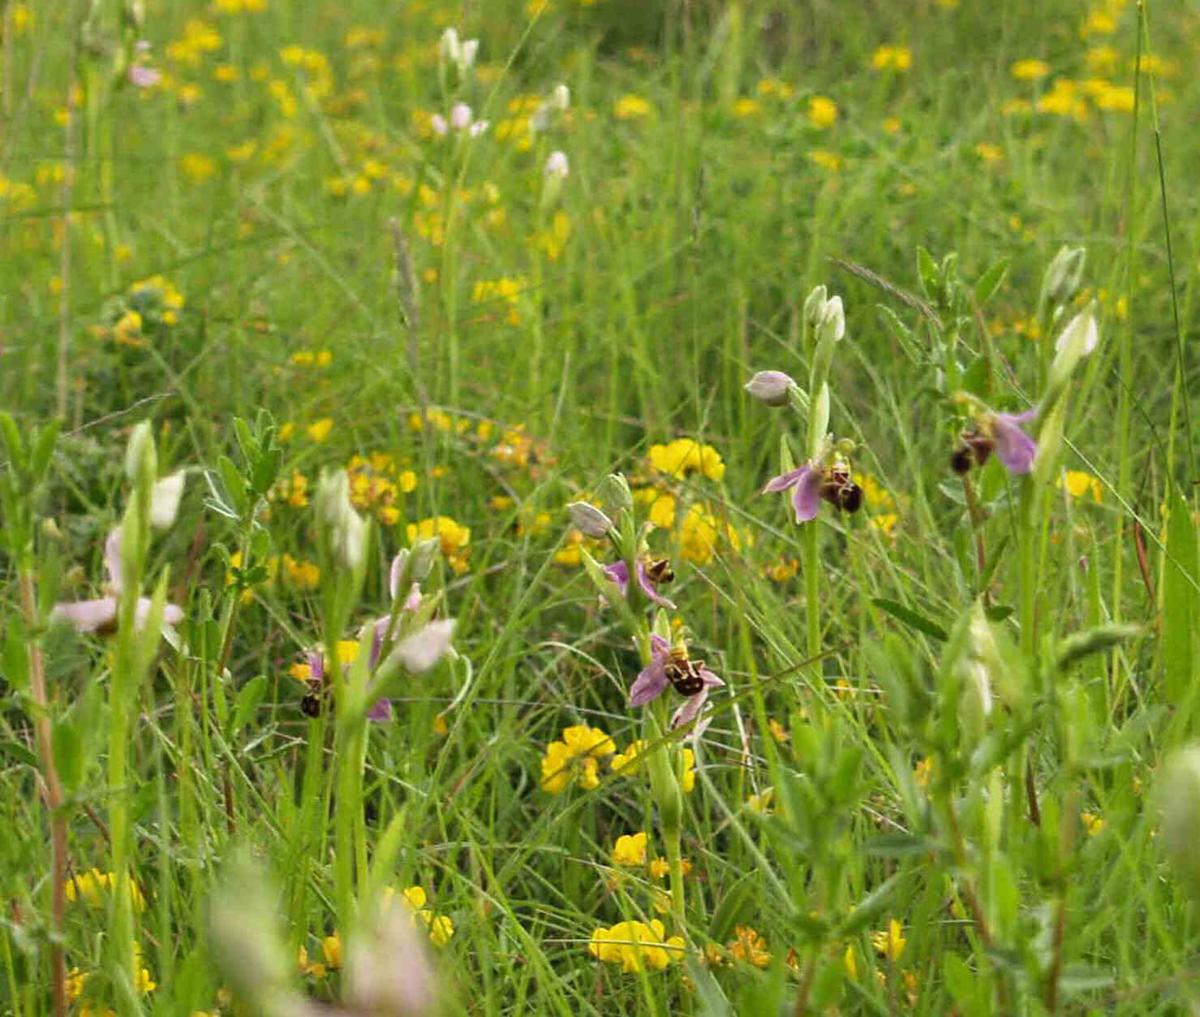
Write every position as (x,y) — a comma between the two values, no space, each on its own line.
(590,507)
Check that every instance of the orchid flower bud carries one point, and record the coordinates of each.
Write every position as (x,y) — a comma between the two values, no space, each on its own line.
(1179,803)
(141,458)
(164,500)
(344,528)
(770,387)
(424,554)
(1063,275)
(557,166)
(589,520)
(614,494)
(560,98)
(460,116)
(467,54)
(449,48)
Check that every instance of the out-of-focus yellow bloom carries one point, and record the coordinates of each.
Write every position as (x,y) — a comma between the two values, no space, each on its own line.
(1029,70)
(831,162)
(92,887)
(890,942)
(1092,823)
(749,947)
(1078,483)
(636,946)
(892,58)
(632,107)
(303,575)
(822,112)
(746,107)
(319,430)
(452,536)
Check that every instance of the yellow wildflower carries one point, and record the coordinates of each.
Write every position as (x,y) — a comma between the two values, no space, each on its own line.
(575,759)
(636,946)
(319,430)
(1078,483)
(822,112)
(630,850)
(631,107)
(452,536)
(892,58)
(685,455)
(1029,70)
(749,947)
(890,941)
(829,161)
(1092,823)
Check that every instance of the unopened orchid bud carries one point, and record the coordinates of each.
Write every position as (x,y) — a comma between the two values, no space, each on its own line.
(437,123)
(560,98)
(770,387)
(557,166)
(589,520)
(343,527)
(832,321)
(467,54)
(814,304)
(614,494)
(1077,340)
(449,48)
(1063,275)
(164,500)
(424,554)
(141,458)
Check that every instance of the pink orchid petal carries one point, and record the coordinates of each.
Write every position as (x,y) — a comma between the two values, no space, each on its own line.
(87,615)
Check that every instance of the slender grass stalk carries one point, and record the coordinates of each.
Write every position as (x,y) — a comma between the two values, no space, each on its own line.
(52,792)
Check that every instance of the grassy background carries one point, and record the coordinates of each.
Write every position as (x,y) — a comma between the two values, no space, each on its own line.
(261,182)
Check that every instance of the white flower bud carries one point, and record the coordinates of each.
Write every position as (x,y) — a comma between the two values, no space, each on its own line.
(589,520)
(466,56)
(1063,275)
(557,166)
(164,500)
(344,528)
(560,98)
(460,116)
(450,48)
(832,323)
(770,387)
(141,458)
(1179,802)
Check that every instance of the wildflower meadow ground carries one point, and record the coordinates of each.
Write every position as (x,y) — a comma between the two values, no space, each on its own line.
(599,507)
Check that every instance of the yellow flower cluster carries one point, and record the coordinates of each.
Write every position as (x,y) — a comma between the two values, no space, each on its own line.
(331,952)
(632,107)
(636,946)
(575,759)
(880,503)
(77,980)
(628,763)
(198,40)
(685,456)
(749,947)
(505,291)
(452,536)
(892,58)
(376,485)
(93,886)
(439,927)
(1078,483)
(312,358)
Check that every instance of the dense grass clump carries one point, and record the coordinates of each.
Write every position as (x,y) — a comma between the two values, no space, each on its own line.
(598,507)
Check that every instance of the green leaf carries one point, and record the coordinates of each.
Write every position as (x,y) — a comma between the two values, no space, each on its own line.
(991,280)
(726,915)
(249,698)
(68,753)
(18,752)
(927,274)
(43,449)
(1179,600)
(911,618)
(901,333)
(1100,639)
(234,484)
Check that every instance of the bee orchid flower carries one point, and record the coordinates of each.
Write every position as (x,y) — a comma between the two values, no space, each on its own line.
(670,666)
(100,614)
(618,572)
(1003,434)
